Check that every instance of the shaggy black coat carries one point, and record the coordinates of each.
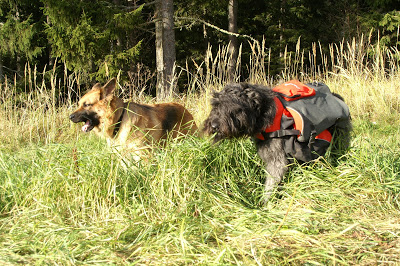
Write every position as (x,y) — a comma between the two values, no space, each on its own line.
(243,109)
(239,110)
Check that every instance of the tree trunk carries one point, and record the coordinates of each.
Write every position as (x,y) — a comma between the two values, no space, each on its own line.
(165,48)
(51,59)
(233,40)
(281,29)
(1,69)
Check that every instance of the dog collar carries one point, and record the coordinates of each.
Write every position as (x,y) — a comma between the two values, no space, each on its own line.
(117,125)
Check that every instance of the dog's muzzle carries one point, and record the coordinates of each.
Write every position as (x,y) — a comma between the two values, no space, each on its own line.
(72,117)
(214,127)
(90,120)
(215,131)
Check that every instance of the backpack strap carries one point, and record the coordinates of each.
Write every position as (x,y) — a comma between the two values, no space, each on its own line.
(298,120)
(275,130)
(280,133)
(325,135)
(276,124)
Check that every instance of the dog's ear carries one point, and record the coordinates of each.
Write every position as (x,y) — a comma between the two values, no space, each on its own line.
(96,86)
(215,98)
(215,94)
(108,89)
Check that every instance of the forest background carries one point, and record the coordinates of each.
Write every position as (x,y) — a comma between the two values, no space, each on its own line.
(100,39)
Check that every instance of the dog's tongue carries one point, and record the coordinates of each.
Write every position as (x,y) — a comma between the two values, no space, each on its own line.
(86,126)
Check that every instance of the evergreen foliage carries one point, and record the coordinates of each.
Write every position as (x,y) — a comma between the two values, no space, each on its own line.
(390,24)
(100,38)
(93,37)
(20,33)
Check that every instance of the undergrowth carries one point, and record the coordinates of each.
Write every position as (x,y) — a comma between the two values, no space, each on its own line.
(198,203)
(67,198)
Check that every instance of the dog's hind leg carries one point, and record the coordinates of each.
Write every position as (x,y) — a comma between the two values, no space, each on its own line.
(272,153)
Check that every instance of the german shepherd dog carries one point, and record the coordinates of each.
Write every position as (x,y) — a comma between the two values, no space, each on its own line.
(129,125)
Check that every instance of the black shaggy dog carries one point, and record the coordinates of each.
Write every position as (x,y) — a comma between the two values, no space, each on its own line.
(243,109)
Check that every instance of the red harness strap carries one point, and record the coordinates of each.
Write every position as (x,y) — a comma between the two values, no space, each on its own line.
(276,125)
(325,135)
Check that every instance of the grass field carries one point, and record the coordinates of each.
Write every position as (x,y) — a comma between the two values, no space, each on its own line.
(66,199)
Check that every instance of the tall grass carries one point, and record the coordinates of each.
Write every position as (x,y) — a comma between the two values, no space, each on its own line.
(65,198)
(36,112)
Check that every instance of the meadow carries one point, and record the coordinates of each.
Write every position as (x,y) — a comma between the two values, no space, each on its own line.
(66,199)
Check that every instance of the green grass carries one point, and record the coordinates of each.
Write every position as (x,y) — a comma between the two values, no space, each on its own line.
(197,203)
(66,198)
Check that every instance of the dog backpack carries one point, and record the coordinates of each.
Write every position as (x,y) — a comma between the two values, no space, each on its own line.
(305,113)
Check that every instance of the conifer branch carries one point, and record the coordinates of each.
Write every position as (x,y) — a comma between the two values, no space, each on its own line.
(217,28)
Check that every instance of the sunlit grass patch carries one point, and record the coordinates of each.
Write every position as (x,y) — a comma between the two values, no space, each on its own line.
(68,198)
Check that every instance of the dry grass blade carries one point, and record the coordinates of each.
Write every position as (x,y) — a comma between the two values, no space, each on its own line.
(65,197)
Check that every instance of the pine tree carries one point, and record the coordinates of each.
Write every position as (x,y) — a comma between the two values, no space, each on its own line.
(94,36)
(20,35)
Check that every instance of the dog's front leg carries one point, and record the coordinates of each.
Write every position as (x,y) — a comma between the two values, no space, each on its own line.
(272,153)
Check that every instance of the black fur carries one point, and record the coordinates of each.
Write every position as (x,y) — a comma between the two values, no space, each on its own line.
(243,109)
(240,110)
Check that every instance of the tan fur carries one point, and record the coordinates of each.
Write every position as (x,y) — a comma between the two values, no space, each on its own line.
(141,126)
